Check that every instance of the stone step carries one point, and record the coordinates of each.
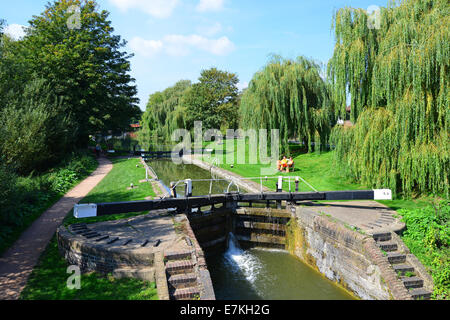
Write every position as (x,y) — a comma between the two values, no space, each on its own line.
(386,218)
(146,274)
(403,268)
(412,282)
(388,246)
(382,236)
(179,267)
(395,258)
(186,293)
(181,281)
(420,294)
(178,255)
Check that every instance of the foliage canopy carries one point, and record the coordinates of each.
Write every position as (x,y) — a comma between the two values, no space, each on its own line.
(398,79)
(289,95)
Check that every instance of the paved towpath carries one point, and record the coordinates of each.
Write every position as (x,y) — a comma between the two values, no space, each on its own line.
(18,262)
(367,215)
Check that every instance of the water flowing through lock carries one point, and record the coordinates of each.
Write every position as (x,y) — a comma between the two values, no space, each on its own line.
(242,262)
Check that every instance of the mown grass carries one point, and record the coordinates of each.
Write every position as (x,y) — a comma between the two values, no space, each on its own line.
(315,168)
(49,278)
(114,188)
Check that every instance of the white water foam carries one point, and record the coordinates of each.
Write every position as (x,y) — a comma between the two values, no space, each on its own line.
(242,261)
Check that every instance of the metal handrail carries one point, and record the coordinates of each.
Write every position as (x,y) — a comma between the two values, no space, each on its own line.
(147,169)
(253,178)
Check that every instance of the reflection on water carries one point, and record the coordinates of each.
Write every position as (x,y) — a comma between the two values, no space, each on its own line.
(168,172)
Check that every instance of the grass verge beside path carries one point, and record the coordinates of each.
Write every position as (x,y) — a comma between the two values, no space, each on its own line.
(114,188)
(49,277)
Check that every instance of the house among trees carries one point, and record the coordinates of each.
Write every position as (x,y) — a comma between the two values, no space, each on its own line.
(134,128)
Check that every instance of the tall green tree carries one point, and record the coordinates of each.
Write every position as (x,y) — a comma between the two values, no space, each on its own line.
(164,114)
(81,59)
(213,100)
(291,96)
(398,79)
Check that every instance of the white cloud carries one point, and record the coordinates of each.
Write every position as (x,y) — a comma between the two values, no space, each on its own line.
(181,45)
(146,47)
(15,31)
(156,8)
(210,5)
(211,30)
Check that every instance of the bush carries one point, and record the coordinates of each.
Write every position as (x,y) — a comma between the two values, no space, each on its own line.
(8,196)
(23,199)
(71,171)
(428,237)
(34,135)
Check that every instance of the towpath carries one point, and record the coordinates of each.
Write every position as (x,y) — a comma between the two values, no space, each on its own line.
(18,262)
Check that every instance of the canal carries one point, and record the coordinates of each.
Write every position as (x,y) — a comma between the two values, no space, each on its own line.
(253,274)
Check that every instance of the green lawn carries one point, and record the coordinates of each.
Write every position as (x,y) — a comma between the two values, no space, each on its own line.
(316,169)
(49,277)
(114,188)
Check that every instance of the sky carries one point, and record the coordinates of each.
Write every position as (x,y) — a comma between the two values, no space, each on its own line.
(175,40)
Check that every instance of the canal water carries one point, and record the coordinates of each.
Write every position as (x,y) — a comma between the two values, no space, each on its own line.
(254,274)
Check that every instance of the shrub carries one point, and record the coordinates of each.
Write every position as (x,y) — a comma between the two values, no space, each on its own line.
(428,237)
(8,196)
(23,199)
(34,135)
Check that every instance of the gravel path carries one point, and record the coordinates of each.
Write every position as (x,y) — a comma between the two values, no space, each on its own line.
(18,262)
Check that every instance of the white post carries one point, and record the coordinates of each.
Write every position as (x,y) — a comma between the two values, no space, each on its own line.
(188,189)
(280,184)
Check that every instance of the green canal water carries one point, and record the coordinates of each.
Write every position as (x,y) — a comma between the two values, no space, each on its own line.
(254,274)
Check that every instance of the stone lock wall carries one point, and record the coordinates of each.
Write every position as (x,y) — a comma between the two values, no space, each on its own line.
(98,257)
(342,255)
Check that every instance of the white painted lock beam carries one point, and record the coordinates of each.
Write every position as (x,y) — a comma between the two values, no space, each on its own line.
(382,194)
(85,210)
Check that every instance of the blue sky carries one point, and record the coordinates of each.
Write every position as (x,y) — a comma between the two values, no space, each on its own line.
(176,39)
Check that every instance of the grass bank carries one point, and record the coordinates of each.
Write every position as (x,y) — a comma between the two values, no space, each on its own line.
(49,277)
(115,187)
(315,168)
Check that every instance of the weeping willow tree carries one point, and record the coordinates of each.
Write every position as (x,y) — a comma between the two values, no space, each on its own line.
(164,114)
(291,96)
(397,76)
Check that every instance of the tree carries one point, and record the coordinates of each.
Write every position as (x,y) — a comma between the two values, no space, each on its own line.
(291,96)
(213,100)
(164,114)
(33,134)
(398,79)
(85,66)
